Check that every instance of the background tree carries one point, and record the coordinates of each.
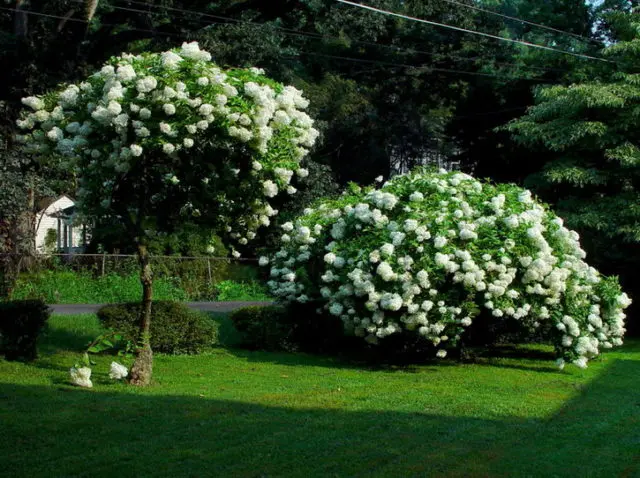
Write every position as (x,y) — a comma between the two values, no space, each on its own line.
(493,101)
(158,140)
(589,134)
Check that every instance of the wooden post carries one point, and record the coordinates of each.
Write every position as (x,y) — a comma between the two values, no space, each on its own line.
(104,258)
(209,271)
(59,238)
(70,249)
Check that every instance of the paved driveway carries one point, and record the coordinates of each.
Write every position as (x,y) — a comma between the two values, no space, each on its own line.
(72,309)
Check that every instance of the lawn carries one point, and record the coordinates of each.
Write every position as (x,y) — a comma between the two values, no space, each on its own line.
(251,414)
(69,287)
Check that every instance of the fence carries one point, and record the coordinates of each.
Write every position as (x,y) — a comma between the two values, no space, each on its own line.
(196,276)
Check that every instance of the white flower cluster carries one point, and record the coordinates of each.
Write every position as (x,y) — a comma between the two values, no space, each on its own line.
(150,115)
(81,377)
(429,251)
(118,371)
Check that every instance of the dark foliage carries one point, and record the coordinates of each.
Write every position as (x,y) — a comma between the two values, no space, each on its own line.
(175,329)
(294,328)
(20,325)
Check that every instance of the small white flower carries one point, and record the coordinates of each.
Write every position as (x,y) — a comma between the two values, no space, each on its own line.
(416,197)
(136,150)
(270,189)
(439,242)
(114,108)
(81,377)
(206,109)
(580,362)
(118,371)
(170,59)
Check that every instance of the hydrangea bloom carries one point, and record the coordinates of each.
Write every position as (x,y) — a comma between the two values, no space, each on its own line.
(118,371)
(81,377)
(148,116)
(465,246)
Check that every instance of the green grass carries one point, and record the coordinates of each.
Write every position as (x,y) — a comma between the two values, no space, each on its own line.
(228,291)
(235,413)
(69,287)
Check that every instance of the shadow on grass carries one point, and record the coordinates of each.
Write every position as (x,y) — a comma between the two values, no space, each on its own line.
(74,432)
(369,359)
(360,358)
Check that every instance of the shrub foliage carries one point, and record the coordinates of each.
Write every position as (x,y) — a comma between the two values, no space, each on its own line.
(429,252)
(20,325)
(291,328)
(175,328)
(263,327)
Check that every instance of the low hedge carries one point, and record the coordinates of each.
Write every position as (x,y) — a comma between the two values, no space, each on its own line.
(21,322)
(263,327)
(292,328)
(175,329)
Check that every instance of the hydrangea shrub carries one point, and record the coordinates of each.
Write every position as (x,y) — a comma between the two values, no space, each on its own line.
(428,252)
(160,139)
(176,129)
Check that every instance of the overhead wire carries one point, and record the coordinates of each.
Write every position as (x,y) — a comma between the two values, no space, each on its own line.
(357,60)
(78,20)
(423,66)
(520,20)
(473,32)
(289,31)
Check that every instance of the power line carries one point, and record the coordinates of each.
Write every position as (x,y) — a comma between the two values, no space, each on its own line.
(78,20)
(29,12)
(473,32)
(288,31)
(520,20)
(402,65)
(358,60)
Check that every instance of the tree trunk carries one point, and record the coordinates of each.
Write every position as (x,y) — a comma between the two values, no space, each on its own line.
(141,371)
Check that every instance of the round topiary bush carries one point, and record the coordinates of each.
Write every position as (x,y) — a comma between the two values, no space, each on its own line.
(428,253)
(175,328)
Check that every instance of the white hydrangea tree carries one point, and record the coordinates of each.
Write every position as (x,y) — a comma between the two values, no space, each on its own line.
(427,252)
(155,139)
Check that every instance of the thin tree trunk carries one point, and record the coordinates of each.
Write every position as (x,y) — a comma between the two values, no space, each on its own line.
(141,371)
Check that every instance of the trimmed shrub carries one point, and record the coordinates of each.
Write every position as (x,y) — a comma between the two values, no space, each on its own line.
(175,329)
(20,325)
(431,254)
(295,327)
(263,328)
